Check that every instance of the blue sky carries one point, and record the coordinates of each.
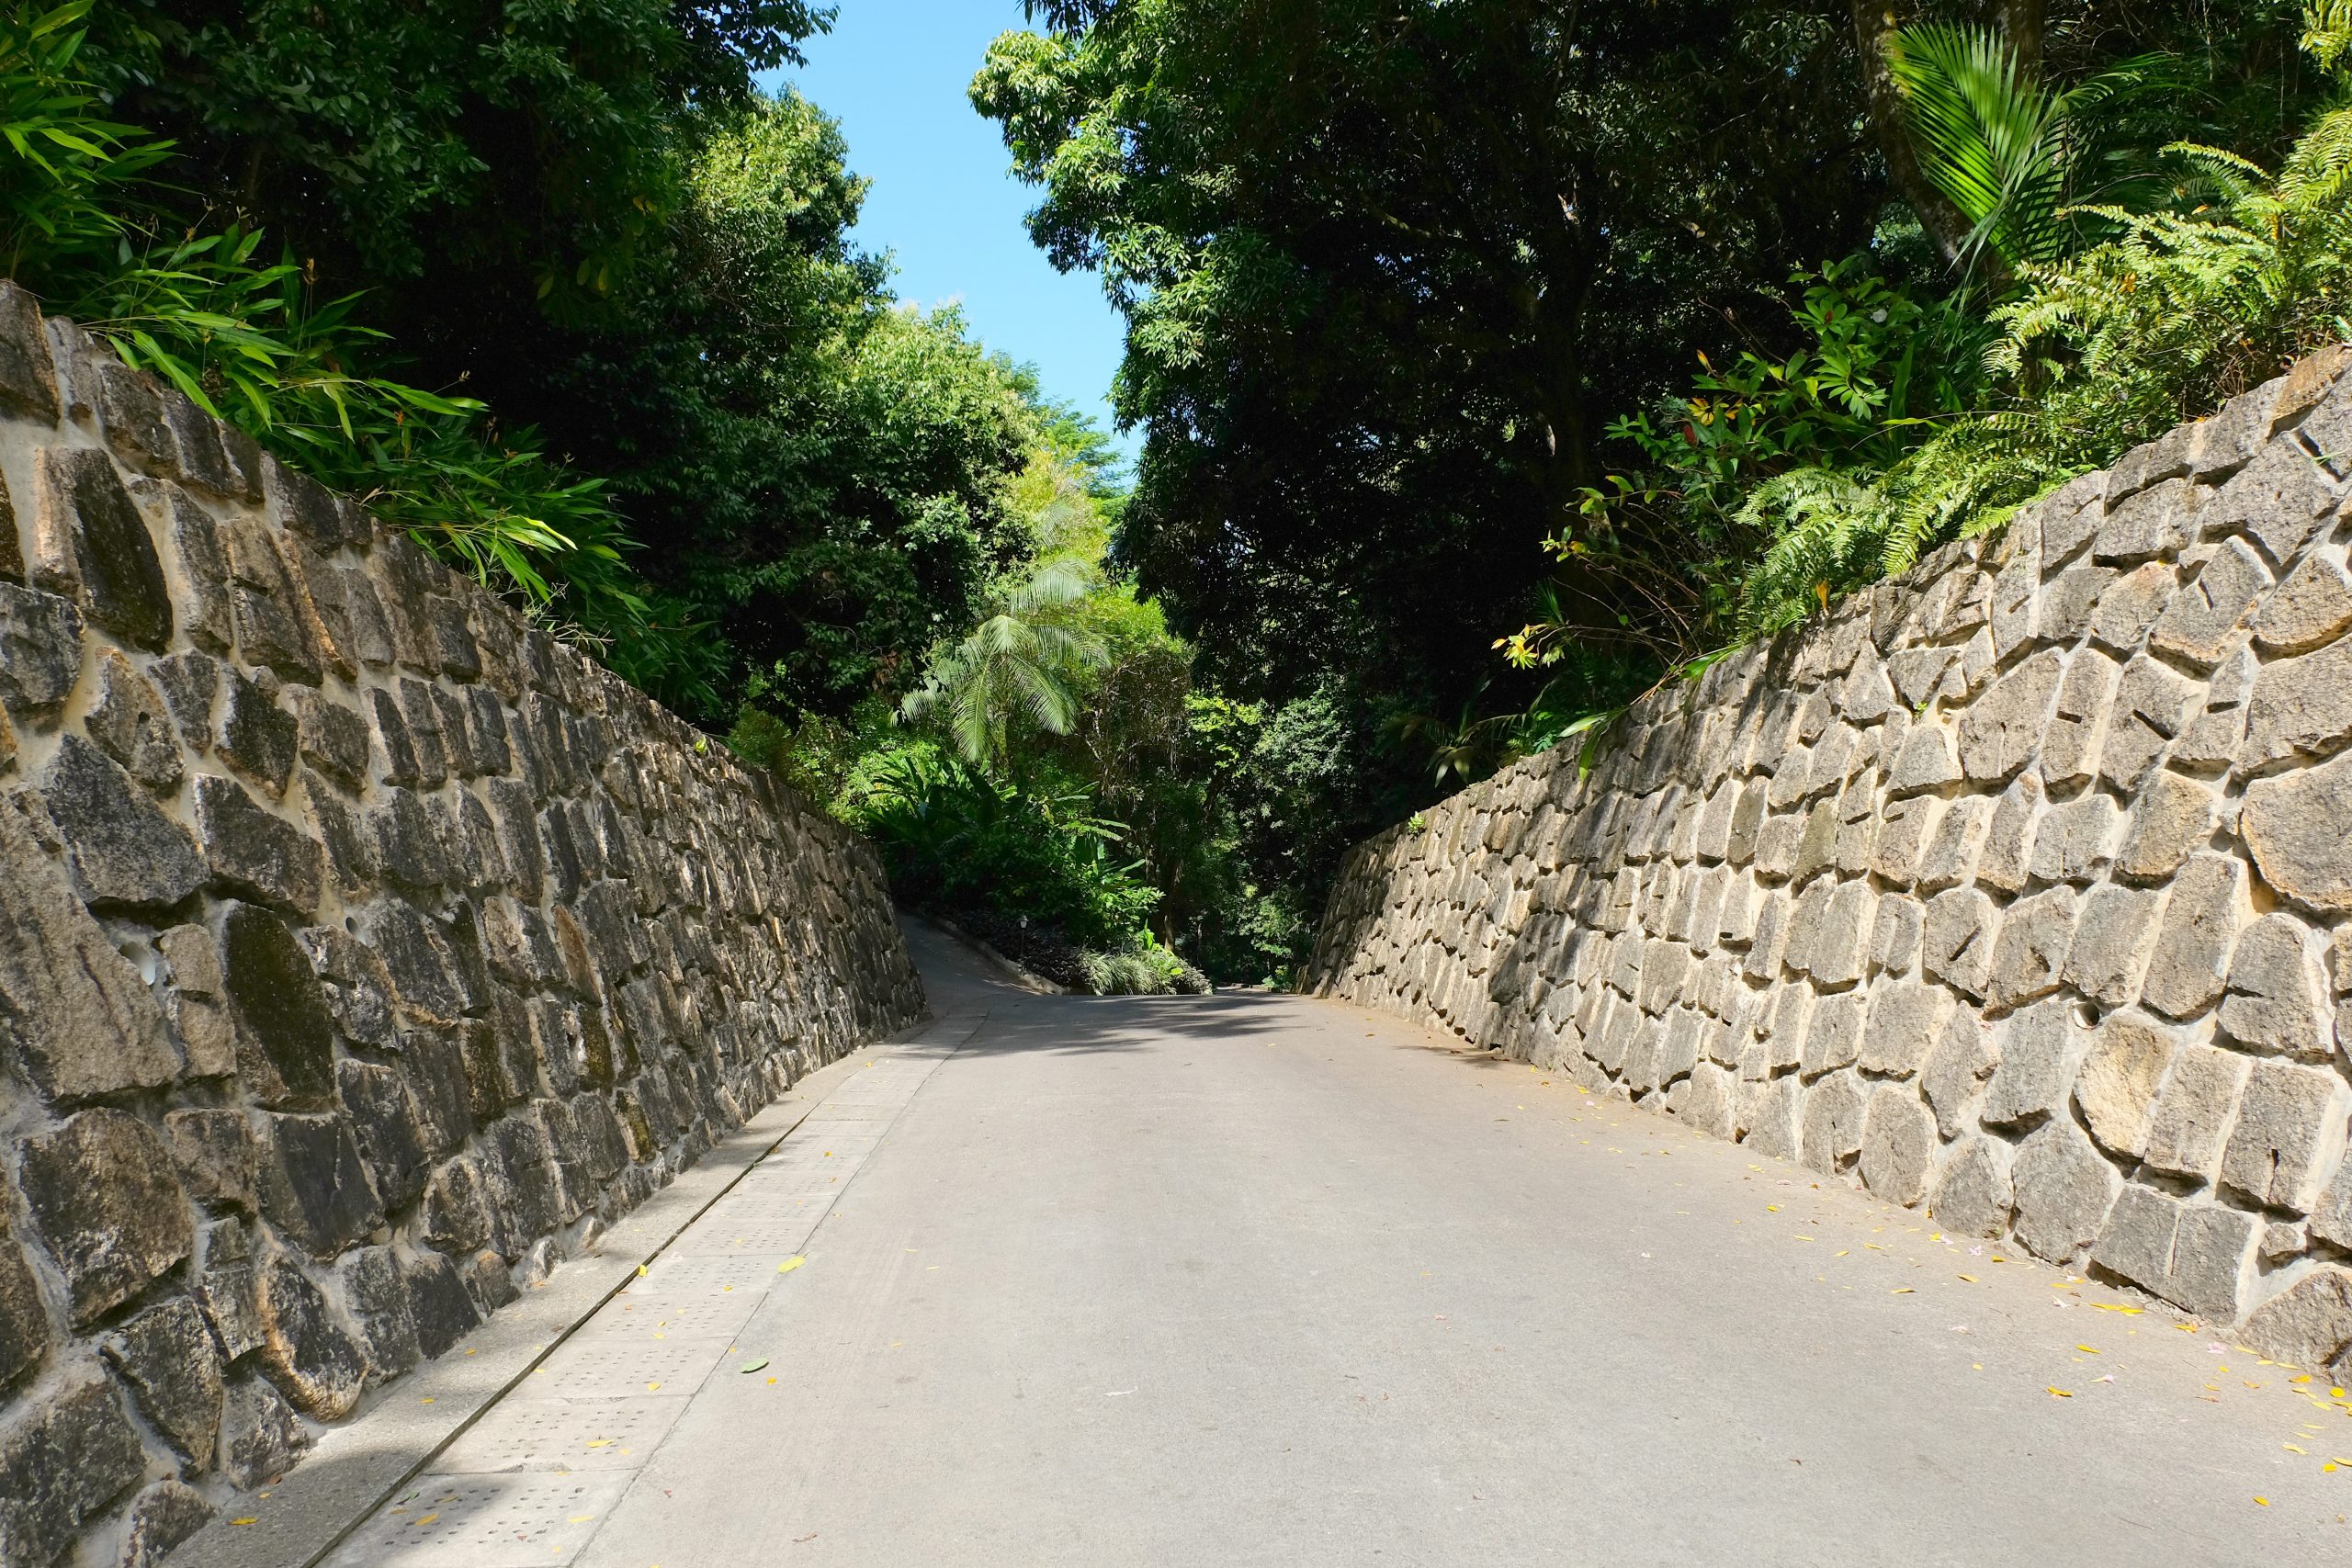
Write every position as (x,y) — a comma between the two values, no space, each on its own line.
(893,74)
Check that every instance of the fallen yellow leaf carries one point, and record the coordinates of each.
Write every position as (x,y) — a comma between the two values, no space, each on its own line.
(789,1264)
(2062,1393)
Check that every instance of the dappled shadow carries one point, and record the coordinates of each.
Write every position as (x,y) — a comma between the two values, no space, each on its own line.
(1067,1025)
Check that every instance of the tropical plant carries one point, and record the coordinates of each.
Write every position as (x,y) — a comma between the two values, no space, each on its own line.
(1020,666)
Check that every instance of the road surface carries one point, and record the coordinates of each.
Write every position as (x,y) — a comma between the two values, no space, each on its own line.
(1261,1280)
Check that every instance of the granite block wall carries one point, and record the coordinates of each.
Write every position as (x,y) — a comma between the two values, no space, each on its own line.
(2018,887)
(362,951)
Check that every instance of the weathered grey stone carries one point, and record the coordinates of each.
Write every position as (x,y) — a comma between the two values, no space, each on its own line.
(2193,1111)
(40,649)
(1895,936)
(2064,1189)
(2311,608)
(1957,844)
(314,1360)
(255,853)
(2159,520)
(1906,1020)
(90,541)
(166,1356)
(2186,973)
(2292,824)
(331,737)
(2289,1134)
(122,848)
(190,683)
(2036,935)
(2039,1050)
(129,723)
(162,1516)
(64,1460)
(1840,947)
(24,1321)
(2116,1088)
(2008,838)
(2205,615)
(1972,1195)
(1769,1116)
(286,1038)
(213,1151)
(27,380)
(1965,1056)
(377,1292)
(2152,704)
(440,1308)
(2302,703)
(314,1184)
(357,985)
(2130,604)
(100,1189)
(2068,600)
(1832,1132)
(2000,729)
(2070,746)
(257,737)
(276,627)
(2307,1324)
(1898,1144)
(2172,818)
(2277,990)
(2074,840)
(74,1015)
(260,1436)
(1957,940)
(378,1101)
(1832,1034)
(2113,942)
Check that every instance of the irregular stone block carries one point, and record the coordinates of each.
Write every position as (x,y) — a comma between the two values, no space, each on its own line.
(1906,1019)
(24,1320)
(1957,845)
(90,541)
(2070,746)
(213,1152)
(190,683)
(2008,840)
(2074,841)
(1898,1144)
(1957,940)
(1966,1056)
(166,1356)
(2000,729)
(2203,617)
(129,723)
(2129,603)
(1833,1035)
(1972,1195)
(2193,1110)
(257,737)
(2308,1324)
(2064,1191)
(439,1306)
(314,1184)
(2277,990)
(1832,1132)
(260,1436)
(100,1189)
(2301,704)
(2289,1134)
(255,853)
(285,1039)
(40,649)
(64,1459)
(2113,942)
(2039,1050)
(2172,818)
(378,1105)
(2116,1089)
(2311,608)
(122,848)
(27,380)
(161,1518)
(2036,935)
(2192,952)
(377,1292)
(315,1360)
(2292,824)
(2196,1255)
(2158,521)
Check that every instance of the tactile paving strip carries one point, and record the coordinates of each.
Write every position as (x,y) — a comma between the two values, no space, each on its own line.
(743,1236)
(674,1317)
(562,1435)
(487,1521)
(612,1367)
(673,1275)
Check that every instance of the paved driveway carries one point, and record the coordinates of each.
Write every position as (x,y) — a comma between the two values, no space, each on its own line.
(1252,1279)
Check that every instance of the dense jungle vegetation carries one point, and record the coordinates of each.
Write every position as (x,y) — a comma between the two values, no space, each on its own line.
(1494,360)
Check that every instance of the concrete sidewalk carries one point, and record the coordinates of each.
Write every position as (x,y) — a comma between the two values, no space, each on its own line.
(1250,1280)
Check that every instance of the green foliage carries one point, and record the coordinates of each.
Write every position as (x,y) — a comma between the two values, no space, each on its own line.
(1016,668)
(955,836)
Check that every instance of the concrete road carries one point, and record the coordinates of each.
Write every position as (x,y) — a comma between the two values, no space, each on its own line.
(1252,1279)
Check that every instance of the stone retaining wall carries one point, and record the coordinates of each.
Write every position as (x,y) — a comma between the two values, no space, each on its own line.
(362,951)
(2017,886)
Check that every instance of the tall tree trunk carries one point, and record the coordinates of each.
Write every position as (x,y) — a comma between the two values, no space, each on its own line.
(1874,28)
(2020,22)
